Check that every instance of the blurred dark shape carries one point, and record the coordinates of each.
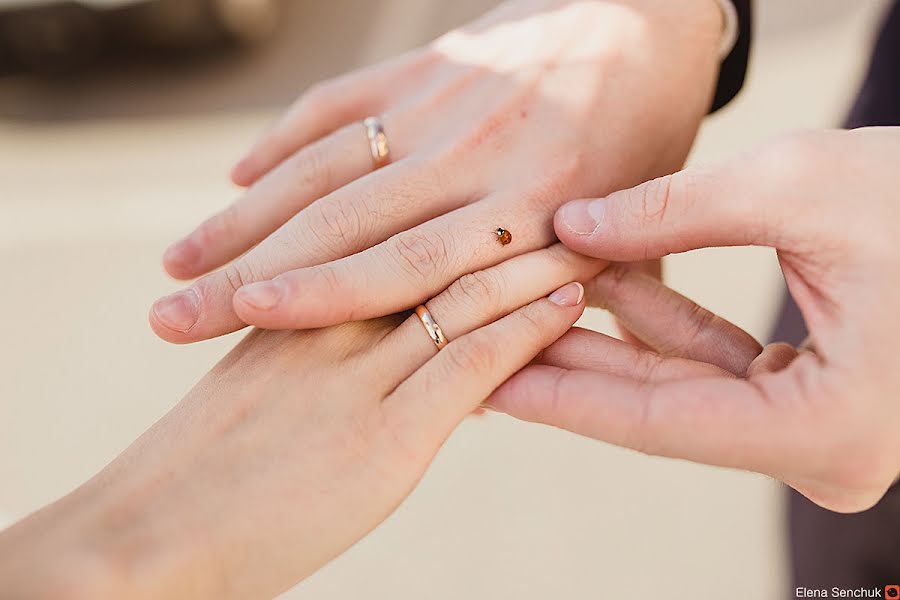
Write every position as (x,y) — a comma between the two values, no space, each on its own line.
(64,36)
(142,65)
(145,64)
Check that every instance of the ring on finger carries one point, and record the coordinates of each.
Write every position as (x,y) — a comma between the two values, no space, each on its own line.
(378,142)
(431,327)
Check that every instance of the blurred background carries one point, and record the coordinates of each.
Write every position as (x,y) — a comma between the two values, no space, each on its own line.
(118,123)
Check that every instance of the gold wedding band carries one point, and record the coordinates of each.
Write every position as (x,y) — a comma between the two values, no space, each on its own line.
(378,142)
(433,329)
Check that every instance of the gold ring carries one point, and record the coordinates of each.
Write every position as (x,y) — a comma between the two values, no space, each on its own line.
(378,142)
(433,329)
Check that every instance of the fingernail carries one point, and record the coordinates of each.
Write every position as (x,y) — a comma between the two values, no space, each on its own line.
(582,217)
(263,295)
(180,311)
(184,253)
(569,295)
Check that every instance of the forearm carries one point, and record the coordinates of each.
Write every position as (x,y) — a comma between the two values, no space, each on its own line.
(112,538)
(190,510)
(141,528)
(56,554)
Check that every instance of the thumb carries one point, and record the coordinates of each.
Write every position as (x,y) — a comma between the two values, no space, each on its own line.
(736,203)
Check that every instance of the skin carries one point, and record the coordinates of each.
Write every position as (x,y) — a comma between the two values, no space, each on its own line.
(293,447)
(822,418)
(487,129)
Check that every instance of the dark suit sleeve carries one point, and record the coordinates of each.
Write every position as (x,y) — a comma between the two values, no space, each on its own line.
(734,67)
(879,100)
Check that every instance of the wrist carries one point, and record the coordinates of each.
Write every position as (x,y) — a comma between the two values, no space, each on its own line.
(680,33)
(51,555)
(108,539)
(701,23)
(150,540)
(683,44)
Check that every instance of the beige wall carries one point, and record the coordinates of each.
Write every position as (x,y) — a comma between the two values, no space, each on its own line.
(508,510)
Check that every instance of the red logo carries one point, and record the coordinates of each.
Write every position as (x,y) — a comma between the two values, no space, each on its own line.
(892,591)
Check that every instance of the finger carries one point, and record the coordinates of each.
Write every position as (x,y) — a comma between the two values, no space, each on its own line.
(310,174)
(357,216)
(670,323)
(425,408)
(395,275)
(477,299)
(773,358)
(582,349)
(749,201)
(652,268)
(325,108)
(722,421)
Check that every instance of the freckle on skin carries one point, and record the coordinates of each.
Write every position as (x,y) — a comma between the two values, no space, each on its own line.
(523,113)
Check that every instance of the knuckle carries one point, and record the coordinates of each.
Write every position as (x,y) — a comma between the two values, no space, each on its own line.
(699,322)
(482,290)
(565,260)
(551,192)
(328,279)
(650,201)
(529,325)
(610,289)
(310,168)
(420,255)
(648,364)
(419,179)
(220,226)
(558,183)
(237,275)
(474,354)
(555,405)
(336,224)
(642,436)
(617,275)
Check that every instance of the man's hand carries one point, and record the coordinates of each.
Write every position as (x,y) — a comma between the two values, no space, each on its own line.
(823,418)
(492,126)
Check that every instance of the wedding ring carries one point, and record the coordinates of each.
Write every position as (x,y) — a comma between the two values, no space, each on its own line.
(378,142)
(433,329)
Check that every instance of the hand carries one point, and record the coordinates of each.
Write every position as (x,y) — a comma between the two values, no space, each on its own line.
(822,418)
(492,126)
(292,449)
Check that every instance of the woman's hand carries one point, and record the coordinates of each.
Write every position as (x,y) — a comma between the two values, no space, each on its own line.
(823,418)
(492,126)
(293,448)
